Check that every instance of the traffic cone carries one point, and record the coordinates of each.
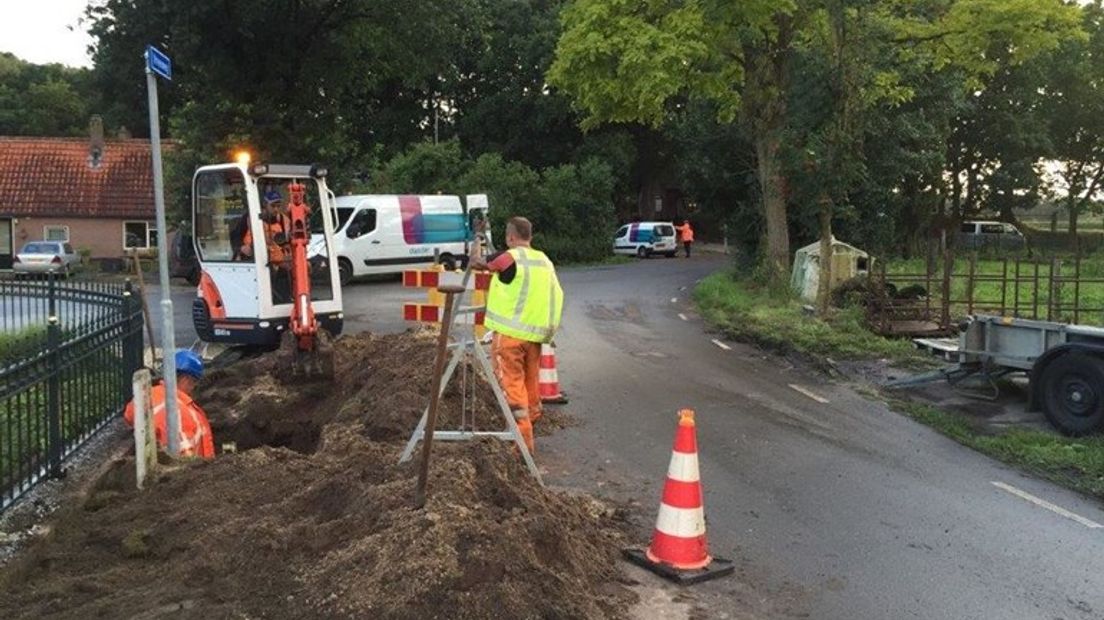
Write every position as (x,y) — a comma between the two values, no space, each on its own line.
(679,550)
(550,381)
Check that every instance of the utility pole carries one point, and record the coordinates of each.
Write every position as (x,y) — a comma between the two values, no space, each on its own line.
(158,63)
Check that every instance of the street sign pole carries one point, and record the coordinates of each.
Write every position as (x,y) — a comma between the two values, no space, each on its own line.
(156,61)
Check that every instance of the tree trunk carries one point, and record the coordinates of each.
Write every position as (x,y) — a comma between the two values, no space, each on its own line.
(772,181)
(765,113)
(824,281)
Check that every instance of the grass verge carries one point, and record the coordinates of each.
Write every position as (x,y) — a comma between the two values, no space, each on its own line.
(1076,463)
(749,312)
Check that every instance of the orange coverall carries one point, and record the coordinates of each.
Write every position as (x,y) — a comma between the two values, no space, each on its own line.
(517,366)
(196,438)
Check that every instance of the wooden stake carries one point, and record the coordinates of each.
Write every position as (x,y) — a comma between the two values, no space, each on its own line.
(435,400)
(145,306)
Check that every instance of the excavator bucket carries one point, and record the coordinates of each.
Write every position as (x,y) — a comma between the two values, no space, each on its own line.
(316,365)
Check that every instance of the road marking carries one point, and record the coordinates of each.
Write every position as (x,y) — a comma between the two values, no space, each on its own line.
(674,300)
(683,317)
(798,388)
(1042,503)
(722,345)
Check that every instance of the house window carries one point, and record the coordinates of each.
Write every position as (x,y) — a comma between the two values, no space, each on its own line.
(138,235)
(55,233)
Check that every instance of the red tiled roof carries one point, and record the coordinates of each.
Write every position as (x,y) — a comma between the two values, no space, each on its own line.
(54,176)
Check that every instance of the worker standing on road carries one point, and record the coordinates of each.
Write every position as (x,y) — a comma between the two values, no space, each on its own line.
(686,235)
(524,305)
(196,438)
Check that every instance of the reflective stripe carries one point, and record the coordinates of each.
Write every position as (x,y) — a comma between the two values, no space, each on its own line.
(523,264)
(553,301)
(683,467)
(681,522)
(520,414)
(540,332)
(548,376)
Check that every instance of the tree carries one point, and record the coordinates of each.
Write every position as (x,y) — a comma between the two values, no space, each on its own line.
(1074,90)
(43,100)
(630,61)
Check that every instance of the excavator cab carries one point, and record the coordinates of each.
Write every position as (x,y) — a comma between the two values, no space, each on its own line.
(251,225)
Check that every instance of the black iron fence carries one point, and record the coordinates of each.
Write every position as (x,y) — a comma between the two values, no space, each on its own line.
(67,352)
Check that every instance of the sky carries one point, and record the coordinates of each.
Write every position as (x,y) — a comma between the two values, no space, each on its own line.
(39,31)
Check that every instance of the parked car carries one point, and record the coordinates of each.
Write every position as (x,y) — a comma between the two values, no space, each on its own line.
(182,257)
(39,257)
(646,238)
(983,234)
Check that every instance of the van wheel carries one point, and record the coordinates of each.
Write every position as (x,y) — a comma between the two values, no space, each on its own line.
(193,276)
(1073,393)
(643,252)
(344,271)
(448,260)
(671,254)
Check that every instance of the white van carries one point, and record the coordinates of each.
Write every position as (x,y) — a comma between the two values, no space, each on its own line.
(646,238)
(379,234)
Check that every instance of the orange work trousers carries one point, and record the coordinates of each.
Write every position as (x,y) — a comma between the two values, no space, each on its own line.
(517,367)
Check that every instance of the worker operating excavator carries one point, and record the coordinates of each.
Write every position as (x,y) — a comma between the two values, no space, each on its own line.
(277,227)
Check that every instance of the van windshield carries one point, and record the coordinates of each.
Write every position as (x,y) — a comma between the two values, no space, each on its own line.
(341,215)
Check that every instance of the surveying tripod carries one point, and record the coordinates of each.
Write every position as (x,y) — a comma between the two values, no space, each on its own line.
(466,346)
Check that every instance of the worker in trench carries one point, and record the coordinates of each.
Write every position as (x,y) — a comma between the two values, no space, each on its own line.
(196,438)
(524,306)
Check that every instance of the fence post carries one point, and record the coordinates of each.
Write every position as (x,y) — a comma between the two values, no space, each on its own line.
(948,267)
(145,447)
(53,383)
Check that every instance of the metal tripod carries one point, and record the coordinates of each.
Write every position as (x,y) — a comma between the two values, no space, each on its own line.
(464,347)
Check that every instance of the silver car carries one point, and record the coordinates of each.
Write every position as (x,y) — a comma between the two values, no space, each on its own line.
(46,257)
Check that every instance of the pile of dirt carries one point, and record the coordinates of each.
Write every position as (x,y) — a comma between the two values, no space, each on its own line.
(323,525)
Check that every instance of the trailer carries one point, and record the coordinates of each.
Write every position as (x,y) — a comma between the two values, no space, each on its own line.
(1064,364)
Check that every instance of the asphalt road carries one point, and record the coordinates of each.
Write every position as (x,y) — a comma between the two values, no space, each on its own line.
(838,509)
(834,510)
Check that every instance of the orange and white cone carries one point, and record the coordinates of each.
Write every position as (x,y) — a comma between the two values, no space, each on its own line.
(679,550)
(549,379)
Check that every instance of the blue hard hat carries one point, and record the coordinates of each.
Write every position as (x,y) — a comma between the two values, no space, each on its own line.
(272,196)
(188,363)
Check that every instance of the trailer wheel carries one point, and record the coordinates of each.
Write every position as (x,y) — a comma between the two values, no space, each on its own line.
(1073,393)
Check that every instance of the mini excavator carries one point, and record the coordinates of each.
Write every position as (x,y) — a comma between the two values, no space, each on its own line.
(258,288)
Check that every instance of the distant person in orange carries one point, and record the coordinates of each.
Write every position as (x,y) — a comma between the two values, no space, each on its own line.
(196,438)
(686,235)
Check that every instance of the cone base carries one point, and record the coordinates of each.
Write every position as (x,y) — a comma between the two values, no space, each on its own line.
(719,567)
(558,399)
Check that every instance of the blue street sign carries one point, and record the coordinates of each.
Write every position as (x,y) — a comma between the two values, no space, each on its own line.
(158,62)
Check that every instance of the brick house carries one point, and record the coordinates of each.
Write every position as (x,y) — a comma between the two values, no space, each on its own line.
(95,194)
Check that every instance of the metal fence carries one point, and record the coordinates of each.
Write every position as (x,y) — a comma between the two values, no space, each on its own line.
(67,352)
(931,302)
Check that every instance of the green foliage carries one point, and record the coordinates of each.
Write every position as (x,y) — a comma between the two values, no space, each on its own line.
(571,206)
(751,312)
(43,100)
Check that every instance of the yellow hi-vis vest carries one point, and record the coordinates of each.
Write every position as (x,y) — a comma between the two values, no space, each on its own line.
(530,306)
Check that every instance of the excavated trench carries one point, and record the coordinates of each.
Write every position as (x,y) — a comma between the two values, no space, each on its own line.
(312,517)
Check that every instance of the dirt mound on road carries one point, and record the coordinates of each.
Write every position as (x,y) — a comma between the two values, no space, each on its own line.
(322,526)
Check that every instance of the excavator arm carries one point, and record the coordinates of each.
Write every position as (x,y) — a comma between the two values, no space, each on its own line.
(310,347)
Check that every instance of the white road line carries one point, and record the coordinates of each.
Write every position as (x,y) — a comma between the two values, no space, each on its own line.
(683,317)
(1042,503)
(722,345)
(674,300)
(798,388)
